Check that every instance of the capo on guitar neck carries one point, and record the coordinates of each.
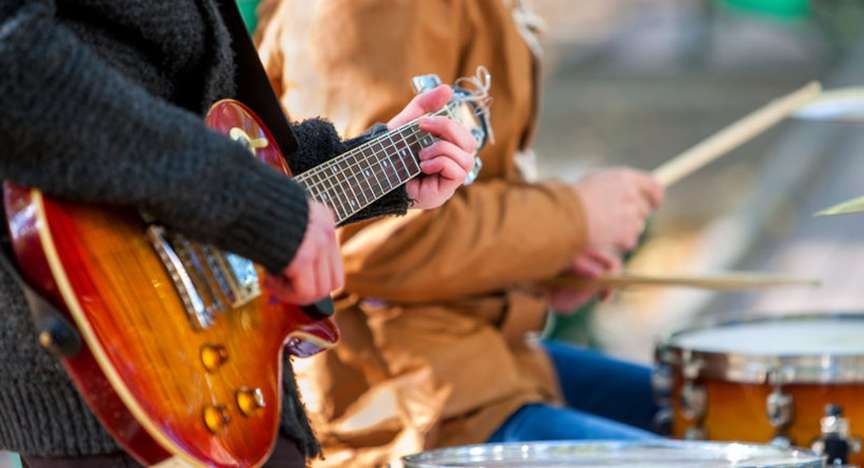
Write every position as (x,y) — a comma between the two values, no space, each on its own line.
(473,91)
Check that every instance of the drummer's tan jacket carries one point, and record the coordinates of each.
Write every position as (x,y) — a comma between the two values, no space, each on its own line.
(434,349)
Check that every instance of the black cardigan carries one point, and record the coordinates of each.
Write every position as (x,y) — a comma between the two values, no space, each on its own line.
(102,101)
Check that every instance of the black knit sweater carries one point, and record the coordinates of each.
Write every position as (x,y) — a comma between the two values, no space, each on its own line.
(101,101)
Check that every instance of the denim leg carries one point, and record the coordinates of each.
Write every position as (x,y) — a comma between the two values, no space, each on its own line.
(606,387)
(538,422)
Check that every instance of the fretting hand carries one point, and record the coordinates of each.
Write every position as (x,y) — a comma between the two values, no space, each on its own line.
(445,164)
(316,269)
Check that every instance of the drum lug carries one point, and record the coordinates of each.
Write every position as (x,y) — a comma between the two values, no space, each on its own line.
(835,443)
(663,421)
(695,433)
(780,409)
(694,400)
(779,406)
(661,383)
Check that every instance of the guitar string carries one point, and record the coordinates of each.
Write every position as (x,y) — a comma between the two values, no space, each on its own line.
(360,163)
(344,184)
(343,175)
(368,145)
(345,156)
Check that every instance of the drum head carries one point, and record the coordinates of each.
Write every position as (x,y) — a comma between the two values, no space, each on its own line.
(660,454)
(794,349)
(791,336)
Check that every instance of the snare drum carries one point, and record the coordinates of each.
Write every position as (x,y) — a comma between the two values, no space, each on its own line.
(767,380)
(662,454)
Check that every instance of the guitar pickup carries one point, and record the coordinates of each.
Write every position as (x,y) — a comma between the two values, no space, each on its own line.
(200,316)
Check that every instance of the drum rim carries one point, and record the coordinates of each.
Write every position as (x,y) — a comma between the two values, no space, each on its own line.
(427,459)
(741,367)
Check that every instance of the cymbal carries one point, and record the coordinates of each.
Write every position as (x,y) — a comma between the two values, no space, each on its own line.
(835,105)
(855,205)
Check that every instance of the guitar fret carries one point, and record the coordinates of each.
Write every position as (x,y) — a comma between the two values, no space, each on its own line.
(381,188)
(354,201)
(334,189)
(400,154)
(413,153)
(368,174)
(362,175)
(384,164)
(345,183)
(390,169)
(315,191)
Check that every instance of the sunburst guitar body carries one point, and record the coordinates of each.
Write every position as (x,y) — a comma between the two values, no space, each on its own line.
(184,344)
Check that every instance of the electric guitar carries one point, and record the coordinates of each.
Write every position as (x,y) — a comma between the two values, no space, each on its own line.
(182,360)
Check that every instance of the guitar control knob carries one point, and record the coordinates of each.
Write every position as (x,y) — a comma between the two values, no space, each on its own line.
(216,418)
(213,357)
(250,400)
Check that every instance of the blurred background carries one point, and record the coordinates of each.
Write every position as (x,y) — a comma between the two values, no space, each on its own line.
(636,82)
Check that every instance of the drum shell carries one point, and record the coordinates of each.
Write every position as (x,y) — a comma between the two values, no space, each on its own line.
(737,411)
(737,387)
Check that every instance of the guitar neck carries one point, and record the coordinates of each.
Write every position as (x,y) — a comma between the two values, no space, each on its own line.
(357,178)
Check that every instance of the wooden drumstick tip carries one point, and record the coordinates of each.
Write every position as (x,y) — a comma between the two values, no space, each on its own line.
(734,135)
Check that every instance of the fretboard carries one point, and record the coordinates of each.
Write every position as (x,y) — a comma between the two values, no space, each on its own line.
(355,179)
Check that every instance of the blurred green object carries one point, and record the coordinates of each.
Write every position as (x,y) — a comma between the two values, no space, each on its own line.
(576,328)
(249,11)
(786,9)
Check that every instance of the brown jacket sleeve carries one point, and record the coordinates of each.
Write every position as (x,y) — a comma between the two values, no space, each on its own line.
(492,234)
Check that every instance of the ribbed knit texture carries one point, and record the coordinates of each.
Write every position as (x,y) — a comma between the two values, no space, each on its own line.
(84,114)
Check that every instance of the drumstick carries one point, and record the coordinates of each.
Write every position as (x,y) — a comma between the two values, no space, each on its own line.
(721,282)
(856,205)
(734,135)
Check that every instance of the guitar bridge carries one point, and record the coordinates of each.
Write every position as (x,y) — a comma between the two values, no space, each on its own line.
(204,277)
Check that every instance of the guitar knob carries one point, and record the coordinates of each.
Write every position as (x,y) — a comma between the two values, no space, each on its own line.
(249,400)
(213,357)
(216,418)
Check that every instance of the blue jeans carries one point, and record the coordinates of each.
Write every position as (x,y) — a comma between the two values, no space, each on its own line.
(606,399)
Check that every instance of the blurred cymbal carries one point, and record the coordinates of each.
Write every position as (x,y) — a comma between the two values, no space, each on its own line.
(855,205)
(835,105)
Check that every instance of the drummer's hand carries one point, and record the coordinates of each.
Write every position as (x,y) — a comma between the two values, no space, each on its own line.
(445,163)
(590,264)
(617,202)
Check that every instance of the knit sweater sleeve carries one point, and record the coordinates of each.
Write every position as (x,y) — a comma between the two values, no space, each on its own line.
(76,128)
